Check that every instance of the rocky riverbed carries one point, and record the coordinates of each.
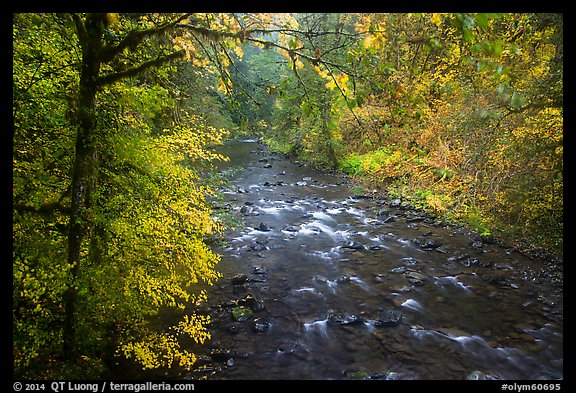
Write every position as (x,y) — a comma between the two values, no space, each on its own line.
(319,283)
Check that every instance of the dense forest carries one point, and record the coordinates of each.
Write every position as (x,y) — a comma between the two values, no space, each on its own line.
(116,118)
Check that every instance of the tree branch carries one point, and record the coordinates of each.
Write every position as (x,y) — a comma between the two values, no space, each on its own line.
(134,38)
(160,60)
(45,209)
(80,29)
(344,96)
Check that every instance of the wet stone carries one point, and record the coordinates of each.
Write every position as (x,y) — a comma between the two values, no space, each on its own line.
(410,261)
(430,244)
(239,279)
(259,278)
(260,325)
(380,277)
(353,245)
(220,355)
(389,318)
(248,211)
(259,270)
(262,228)
(252,303)
(415,278)
(343,279)
(344,320)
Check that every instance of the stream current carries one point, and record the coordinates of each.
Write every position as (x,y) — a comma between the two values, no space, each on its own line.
(319,284)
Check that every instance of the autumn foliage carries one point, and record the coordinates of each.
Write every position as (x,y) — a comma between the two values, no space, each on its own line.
(460,114)
(115,117)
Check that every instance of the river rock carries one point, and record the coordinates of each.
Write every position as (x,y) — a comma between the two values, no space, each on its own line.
(465,260)
(220,355)
(344,320)
(415,278)
(260,325)
(389,318)
(259,270)
(353,245)
(252,303)
(391,376)
(239,279)
(380,277)
(262,227)
(343,279)
(430,244)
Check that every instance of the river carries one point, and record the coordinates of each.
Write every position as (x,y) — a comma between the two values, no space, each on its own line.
(320,283)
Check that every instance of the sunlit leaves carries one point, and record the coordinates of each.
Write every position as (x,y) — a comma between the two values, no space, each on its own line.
(148,220)
(469,102)
(158,350)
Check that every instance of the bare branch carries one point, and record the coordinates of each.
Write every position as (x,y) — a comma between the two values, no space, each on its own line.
(343,96)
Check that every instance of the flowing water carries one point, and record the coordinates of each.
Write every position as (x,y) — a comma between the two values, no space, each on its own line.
(319,284)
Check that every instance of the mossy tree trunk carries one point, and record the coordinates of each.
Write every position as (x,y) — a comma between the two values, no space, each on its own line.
(90,34)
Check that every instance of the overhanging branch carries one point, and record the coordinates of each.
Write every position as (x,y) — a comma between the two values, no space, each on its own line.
(160,60)
(134,38)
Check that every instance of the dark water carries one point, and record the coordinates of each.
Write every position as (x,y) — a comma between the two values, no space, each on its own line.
(339,287)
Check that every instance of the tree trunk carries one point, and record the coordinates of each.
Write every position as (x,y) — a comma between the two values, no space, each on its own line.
(83,171)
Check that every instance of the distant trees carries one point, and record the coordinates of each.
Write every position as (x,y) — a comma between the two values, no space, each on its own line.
(461,113)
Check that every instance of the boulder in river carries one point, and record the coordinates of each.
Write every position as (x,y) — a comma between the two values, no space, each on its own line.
(343,279)
(262,228)
(389,318)
(415,278)
(252,303)
(239,279)
(344,320)
(430,244)
(260,325)
(353,245)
